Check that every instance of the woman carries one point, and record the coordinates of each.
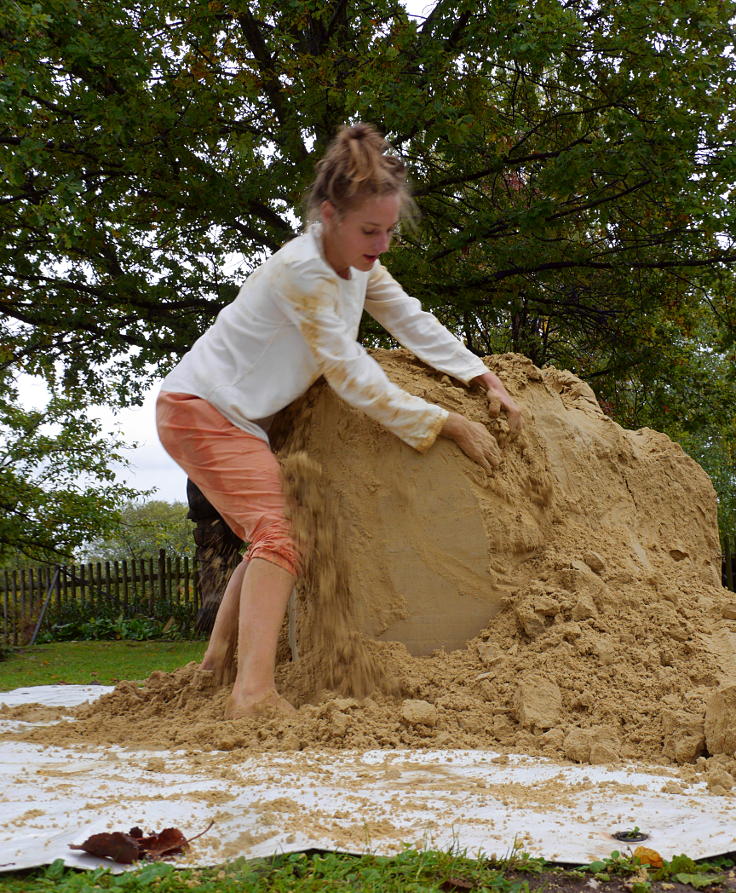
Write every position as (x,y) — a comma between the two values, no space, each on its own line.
(297,318)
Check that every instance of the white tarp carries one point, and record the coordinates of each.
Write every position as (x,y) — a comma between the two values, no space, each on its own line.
(358,802)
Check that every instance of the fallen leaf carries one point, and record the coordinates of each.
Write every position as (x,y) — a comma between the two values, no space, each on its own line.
(128,848)
(117,846)
(648,857)
(169,842)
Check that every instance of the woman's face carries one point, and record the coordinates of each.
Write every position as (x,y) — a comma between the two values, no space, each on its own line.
(358,237)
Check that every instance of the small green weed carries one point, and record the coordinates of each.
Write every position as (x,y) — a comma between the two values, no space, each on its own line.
(681,869)
(616,865)
(695,874)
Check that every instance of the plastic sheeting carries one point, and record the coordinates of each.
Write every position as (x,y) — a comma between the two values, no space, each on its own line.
(358,802)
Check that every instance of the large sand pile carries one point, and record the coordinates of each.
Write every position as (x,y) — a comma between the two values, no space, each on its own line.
(576,592)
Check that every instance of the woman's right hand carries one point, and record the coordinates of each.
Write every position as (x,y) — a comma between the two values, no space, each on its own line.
(473,439)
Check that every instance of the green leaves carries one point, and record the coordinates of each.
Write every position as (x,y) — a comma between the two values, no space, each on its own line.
(56,486)
(143,529)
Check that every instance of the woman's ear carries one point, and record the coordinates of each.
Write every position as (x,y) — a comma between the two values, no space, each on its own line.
(328,212)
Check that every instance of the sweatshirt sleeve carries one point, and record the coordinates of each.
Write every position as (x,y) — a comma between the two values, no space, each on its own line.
(419,331)
(310,300)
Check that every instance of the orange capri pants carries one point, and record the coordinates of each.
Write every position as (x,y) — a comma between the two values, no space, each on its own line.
(236,471)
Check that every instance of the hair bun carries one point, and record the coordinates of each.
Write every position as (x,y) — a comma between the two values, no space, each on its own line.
(357,165)
(360,131)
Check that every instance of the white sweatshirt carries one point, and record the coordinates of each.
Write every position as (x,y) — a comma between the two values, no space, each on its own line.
(295,319)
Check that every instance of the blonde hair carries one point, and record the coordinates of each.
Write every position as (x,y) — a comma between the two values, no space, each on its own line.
(356,166)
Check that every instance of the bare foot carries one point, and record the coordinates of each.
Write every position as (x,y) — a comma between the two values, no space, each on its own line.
(240,706)
(221,666)
(203,679)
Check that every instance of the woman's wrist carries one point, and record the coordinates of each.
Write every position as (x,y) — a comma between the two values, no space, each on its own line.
(452,425)
(491,382)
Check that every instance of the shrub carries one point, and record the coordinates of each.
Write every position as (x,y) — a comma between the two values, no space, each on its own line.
(77,621)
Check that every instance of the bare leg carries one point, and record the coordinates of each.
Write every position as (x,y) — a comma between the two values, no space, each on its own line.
(220,654)
(265,594)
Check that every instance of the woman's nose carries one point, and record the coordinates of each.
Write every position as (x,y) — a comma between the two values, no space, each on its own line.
(383,241)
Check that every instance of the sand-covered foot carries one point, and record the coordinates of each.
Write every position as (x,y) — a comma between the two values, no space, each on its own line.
(203,679)
(221,666)
(241,706)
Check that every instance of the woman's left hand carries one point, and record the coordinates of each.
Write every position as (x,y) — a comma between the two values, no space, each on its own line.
(502,401)
(499,399)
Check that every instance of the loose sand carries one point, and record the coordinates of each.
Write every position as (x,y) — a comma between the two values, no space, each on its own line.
(575,594)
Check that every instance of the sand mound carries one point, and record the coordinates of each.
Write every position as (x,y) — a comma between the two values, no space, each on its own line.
(578,589)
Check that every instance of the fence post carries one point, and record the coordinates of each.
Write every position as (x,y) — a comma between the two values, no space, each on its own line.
(6,580)
(60,588)
(15,607)
(109,602)
(125,585)
(729,552)
(151,596)
(97,591)
(29,604)
(161,580)
(23,599)
(176,596)
(116,571)
(82,588)
(49,592)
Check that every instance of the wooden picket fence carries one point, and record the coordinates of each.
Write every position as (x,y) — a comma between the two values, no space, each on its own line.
(157,588)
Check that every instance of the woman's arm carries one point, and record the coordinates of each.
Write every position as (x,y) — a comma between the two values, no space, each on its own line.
(421,332)
(424,335)
(308,297)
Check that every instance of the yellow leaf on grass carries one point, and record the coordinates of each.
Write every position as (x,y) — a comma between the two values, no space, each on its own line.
(648,857)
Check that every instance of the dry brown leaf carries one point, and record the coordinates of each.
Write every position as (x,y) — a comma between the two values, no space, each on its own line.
(169,842)
(117,846)
(128,848)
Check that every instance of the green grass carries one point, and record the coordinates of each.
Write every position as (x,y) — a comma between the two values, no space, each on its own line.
(409,872)
(85,662)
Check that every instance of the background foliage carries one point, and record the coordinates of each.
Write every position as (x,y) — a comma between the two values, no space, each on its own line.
(573,162)
(143,529)
(55,480)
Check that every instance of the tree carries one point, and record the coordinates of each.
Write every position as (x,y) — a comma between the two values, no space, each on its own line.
(145,528)
(573,163)
(56,487)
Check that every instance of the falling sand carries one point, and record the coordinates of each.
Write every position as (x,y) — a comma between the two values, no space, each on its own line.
(568,605)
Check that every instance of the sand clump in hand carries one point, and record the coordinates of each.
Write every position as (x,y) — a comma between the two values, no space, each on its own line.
(569,605)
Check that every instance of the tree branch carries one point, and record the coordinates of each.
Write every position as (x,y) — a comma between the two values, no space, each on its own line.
(266,66)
